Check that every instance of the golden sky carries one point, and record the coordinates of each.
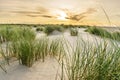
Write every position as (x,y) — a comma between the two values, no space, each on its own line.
(86,12)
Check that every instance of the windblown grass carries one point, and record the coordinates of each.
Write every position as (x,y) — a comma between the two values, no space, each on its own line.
(26,52)
(30,51)
(26,33)
(41,49)
(90,62)
(85,61)
(98,31)
(116,36)
(14,34)
(103,33)
(49,29)
(57,48)
(7,34)
(10,36)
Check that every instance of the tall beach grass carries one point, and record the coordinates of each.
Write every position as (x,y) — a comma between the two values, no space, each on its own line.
(90,62)
(104,33)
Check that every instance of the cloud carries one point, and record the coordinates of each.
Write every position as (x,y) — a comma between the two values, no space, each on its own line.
(76,17)
(34,12)
(45,16)
(38,12)
(79,16)
(29,15)
(26,12)
(45,12)
(48,16)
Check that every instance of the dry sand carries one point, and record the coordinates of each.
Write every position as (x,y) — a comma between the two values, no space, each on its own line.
(43,70)
(39,71)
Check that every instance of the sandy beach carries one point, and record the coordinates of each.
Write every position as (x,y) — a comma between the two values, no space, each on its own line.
(49,69)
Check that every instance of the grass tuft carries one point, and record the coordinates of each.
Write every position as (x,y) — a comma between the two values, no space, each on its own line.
(73,31)
(103,33)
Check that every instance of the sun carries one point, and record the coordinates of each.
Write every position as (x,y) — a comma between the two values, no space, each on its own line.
(62,15)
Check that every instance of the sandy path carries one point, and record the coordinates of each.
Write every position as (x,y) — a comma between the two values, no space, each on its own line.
(39,71)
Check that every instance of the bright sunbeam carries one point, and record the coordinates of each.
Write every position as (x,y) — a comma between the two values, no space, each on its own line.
(62,15)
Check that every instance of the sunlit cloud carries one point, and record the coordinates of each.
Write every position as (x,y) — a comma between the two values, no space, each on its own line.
(45,16)
(38,12)
(80,16)
(25,12)
(48,16)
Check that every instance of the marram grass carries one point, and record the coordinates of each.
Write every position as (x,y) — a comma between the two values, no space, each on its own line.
(73,31)
(90,62)
(30,51)
(104,33)
(85,62)
(14,34)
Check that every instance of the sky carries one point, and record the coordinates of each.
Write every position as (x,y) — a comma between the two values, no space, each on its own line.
(82,12)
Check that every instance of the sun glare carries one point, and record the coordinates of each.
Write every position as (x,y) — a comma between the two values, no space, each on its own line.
(62,15)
